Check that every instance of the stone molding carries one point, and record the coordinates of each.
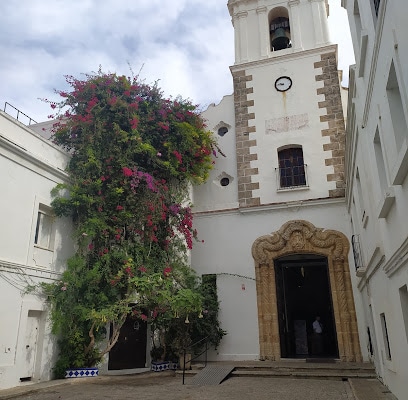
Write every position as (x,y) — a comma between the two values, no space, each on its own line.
(246,172)
(302,237)
(335,118)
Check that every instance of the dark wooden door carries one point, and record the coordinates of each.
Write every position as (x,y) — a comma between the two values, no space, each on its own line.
(130,349)
(281,303)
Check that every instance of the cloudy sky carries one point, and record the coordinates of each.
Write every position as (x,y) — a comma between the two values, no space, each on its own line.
(185,44)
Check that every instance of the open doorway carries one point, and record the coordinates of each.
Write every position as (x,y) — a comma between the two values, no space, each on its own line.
(303,292)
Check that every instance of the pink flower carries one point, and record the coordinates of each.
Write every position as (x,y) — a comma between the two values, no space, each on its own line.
(117,237)
(159,154)
(178,156)
(134,123)
(64,288)
(119,208)
(112,101)
(127,171)
(143,317)
(167,271)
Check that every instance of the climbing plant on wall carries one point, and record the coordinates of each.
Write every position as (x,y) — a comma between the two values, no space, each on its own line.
(134,155)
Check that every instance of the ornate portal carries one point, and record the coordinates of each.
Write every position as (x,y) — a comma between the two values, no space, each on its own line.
(302,237)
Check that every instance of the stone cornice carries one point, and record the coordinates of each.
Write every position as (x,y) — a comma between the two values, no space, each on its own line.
(399,259)
(31,132)
(292,3)
(14,268)
(284,57)
(261,9)
(31,158)
(294,205)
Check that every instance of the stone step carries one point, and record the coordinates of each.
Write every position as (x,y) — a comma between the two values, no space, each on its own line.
(303,370)
(306,374)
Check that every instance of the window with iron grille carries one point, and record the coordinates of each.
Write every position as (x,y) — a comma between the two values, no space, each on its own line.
(291,168)
(376,6)
(358,261)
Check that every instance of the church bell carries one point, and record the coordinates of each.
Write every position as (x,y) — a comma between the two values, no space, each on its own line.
(280,33)
(279,39)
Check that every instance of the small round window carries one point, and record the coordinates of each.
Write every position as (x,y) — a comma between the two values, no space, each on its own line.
(222,131)
(224,181)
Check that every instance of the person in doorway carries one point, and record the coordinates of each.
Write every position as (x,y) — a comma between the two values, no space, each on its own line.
(317,343)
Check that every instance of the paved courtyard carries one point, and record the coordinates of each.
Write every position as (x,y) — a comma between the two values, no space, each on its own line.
(154,387)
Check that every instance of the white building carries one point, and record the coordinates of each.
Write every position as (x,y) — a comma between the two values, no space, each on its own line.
(34,247)
(273,214)
(377,184)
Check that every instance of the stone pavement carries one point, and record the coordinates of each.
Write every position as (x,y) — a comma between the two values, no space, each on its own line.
(167,385)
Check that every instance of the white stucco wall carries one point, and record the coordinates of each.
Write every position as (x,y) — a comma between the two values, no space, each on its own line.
(378,206)
(31,166)
(228,237)
(212,195)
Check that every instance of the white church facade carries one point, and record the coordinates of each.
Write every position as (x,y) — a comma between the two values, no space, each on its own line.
(273,214)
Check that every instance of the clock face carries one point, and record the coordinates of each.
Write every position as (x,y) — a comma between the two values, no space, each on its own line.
(283,84)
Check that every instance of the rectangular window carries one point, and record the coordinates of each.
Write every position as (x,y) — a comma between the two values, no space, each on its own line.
(376,4)
(358,260)
(291,168)
(360,196)
(44,229)
(385,336)
(357,19)
(403,292)
(379,159)
(399,123)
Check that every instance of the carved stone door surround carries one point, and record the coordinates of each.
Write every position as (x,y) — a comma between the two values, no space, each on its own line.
(302,237)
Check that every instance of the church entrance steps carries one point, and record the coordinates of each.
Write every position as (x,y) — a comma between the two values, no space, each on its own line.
(297,369)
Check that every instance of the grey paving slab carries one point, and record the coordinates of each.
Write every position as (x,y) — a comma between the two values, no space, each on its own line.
(370,389)
(154,387)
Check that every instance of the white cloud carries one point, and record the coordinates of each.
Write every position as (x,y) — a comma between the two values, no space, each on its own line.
(186,45)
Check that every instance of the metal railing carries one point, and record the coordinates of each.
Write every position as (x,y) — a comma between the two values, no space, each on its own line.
(291,177)
(204,341)
(30,120)
(358,260)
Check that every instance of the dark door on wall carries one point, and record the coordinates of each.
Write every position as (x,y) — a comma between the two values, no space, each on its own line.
(303,292)
(130,349)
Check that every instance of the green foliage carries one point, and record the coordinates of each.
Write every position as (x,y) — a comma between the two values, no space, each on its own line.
(181,334)
(134,155)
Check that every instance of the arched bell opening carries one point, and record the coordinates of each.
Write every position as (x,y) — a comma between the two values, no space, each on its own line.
(279,29)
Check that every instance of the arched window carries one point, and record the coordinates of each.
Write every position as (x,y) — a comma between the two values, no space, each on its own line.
(279,29)
(291,168)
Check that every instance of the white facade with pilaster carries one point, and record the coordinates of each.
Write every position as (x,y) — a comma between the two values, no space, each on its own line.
(34,247)
(377,169)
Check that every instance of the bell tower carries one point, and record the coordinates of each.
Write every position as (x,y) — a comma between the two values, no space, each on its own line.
(264,27)
(282,133)
(289,124)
